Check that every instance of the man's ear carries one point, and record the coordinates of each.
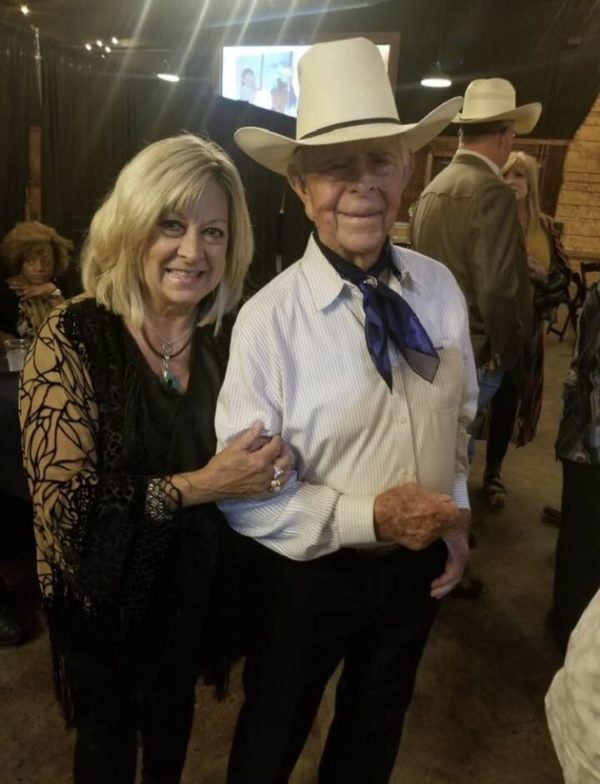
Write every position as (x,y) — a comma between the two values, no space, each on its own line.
(298,185)
(295,180)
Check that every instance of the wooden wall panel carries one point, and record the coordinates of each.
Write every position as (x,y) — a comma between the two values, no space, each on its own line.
(33,205)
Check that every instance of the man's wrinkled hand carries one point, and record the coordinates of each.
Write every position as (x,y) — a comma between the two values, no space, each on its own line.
(457,543)
(414,517)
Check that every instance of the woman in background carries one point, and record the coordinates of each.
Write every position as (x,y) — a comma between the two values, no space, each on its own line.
(248,86)
(34,256)
(117,404)
(511,415)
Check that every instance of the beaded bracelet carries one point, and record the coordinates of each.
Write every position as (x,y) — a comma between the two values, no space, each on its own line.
(162,499)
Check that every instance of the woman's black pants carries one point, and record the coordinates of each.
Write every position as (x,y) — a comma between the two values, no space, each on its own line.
(503,412)
(110,718)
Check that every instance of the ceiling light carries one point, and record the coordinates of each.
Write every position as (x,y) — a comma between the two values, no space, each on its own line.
(24,10)
(99,43)
(88,47)
(114,40)
(436,78)
(107,49)
(166,74)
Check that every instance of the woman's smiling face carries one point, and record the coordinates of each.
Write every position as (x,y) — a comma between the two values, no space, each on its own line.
(186,256)
(517,179)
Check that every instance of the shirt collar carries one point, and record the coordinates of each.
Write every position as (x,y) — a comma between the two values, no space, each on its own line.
(335,260)
(496,169)
(326,285)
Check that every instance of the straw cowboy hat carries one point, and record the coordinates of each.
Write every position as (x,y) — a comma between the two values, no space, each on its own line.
(345,96)
(487,100)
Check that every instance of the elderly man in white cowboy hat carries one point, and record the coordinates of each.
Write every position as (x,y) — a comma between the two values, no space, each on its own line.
(467,218)
(359,355)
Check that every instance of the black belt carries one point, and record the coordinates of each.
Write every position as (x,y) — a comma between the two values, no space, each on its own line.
(376,552)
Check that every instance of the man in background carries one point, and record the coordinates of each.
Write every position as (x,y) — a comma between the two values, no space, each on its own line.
(467,219)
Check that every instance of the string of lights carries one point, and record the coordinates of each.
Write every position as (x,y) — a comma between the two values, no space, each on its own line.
(99,44)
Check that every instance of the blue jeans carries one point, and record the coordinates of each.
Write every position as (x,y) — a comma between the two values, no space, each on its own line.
(489,383)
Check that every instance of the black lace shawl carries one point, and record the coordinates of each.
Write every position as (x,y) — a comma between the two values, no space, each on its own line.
(118,586)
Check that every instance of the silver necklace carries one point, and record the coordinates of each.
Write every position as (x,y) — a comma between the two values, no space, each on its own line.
(168,346)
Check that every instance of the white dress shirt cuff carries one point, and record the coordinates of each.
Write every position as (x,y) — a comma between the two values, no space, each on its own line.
(460,494)
(353,518)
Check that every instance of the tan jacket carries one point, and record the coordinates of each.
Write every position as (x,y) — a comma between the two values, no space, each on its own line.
(467,218)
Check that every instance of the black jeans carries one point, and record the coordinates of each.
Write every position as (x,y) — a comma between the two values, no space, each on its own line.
(112,715)
(374,613)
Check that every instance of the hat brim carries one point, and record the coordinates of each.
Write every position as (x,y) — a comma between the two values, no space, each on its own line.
(274,151)
(525,117)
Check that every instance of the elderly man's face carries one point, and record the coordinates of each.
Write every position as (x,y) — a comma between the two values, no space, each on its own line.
(352,192)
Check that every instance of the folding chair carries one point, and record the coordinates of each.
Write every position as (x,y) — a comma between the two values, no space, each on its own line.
(586,268)
(573,302)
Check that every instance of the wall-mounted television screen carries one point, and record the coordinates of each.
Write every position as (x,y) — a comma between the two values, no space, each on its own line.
(267,75)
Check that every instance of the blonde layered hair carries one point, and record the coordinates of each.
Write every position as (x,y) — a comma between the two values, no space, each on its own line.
(528,165)
(167,176)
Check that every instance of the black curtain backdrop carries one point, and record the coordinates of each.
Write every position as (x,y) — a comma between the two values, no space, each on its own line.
(88,133)
(295,228)
(93,123)
(16,81)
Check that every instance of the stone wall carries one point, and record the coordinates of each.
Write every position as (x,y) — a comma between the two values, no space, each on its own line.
(578,206)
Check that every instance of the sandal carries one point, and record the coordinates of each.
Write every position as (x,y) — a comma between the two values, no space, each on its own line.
(494,491)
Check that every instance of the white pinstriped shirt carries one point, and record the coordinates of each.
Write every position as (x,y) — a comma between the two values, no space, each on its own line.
(299,363)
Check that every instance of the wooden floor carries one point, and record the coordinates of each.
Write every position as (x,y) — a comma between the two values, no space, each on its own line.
(477,716)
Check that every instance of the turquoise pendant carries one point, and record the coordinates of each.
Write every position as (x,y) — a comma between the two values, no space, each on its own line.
(169,381)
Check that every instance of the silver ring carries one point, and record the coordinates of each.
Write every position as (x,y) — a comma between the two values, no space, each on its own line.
(277,472)
(275,486)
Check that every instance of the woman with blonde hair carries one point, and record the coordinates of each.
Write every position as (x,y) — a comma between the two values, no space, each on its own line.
(511,415)
(548,265)
(117,404)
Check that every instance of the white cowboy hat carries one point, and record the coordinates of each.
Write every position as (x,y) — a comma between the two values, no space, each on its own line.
(345,95)
(487,100)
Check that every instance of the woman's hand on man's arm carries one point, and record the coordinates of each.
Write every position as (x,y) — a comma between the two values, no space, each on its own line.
(246,468)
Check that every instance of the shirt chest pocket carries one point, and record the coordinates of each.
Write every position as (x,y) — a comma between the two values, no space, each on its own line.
(444,394)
